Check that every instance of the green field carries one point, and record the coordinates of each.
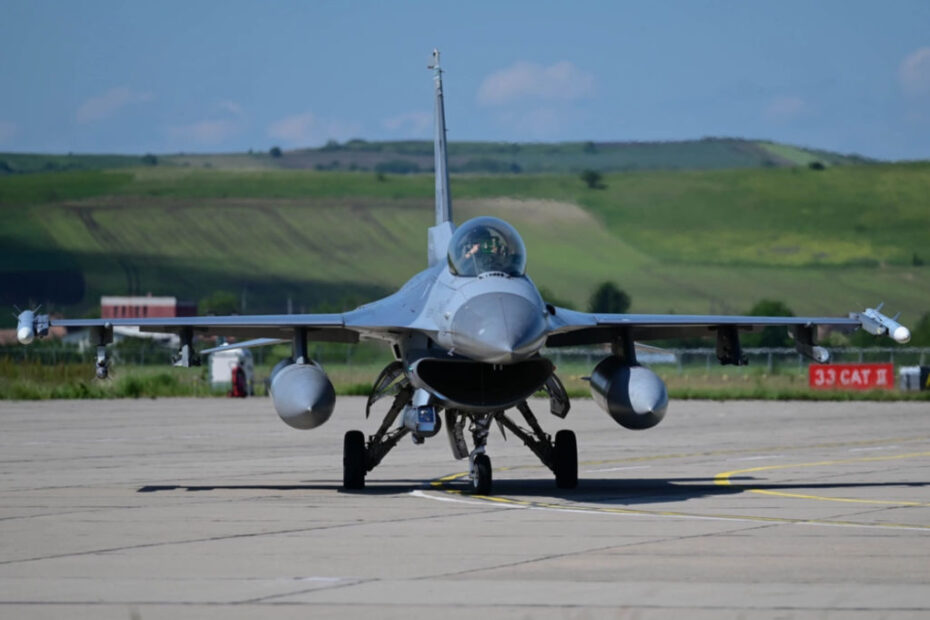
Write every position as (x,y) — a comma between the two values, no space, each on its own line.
(33,380)
(464,157)
(826,241)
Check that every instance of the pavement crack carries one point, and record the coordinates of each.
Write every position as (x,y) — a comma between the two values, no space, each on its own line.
(246,535)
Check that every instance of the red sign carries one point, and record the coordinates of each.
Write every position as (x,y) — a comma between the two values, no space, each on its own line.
(851,376)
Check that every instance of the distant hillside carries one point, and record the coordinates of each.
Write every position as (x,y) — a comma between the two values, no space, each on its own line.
(468,157)
(24,163)
(823,241)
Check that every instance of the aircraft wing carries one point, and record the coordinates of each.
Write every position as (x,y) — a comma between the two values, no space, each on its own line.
(570,328)
(320,327)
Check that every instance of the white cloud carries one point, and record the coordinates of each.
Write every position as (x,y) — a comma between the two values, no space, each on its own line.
(105,105)
(784,109)
(914,72)
(307,129)
(7,131)
(211,131)
(413,124)
(526,80)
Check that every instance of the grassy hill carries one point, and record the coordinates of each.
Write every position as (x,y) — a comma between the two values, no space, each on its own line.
(414,156)
(825,241)
(502,157)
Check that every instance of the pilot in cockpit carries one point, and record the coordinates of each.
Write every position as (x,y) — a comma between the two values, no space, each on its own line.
(486,244)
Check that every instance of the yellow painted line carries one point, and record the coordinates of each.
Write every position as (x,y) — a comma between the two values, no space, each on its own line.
(548,506)
(769,450)
(724,479)
(880,502)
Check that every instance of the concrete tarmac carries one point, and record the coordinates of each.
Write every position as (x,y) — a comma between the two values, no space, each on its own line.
(213,508)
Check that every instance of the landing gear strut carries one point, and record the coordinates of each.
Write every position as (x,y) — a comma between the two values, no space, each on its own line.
(480,462)
(359,457)
(420,420)
(561,456)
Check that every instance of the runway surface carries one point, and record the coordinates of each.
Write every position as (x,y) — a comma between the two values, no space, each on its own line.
(215,509)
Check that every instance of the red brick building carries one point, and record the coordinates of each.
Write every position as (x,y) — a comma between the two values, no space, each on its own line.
(112,307)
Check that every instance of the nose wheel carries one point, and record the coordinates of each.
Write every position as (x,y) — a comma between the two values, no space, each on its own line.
(481,475)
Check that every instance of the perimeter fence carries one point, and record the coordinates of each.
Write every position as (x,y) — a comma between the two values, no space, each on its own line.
(772,359)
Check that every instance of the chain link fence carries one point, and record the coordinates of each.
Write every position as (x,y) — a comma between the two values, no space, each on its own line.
(146,352)
(769,358)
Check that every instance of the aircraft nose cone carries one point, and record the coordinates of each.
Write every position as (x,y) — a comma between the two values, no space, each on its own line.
(498,328)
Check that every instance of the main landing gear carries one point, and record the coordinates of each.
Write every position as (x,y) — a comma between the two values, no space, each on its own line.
(560,455)
(421,420)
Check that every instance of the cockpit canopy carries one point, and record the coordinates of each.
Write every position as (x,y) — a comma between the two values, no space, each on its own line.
(486,244)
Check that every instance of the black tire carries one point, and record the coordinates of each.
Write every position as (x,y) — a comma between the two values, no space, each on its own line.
(353,460)
(481,482)
(565,460)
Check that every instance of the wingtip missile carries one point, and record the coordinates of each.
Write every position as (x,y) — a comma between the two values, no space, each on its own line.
(874,322)
(25,327)
(901,334)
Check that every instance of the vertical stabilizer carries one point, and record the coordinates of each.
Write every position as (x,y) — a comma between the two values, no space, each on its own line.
(443,199)
(440,234)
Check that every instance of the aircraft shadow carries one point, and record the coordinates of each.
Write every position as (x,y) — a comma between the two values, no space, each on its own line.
(632,491)
(604,491)
(375,487)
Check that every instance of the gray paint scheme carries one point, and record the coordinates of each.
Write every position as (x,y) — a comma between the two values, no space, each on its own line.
(479,335)
(491,318)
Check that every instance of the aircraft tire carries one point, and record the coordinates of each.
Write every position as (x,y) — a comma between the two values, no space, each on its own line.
(481,482)
(565,460)
(353,460)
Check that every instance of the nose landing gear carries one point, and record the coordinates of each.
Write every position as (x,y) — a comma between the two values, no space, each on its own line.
(481,475)
(560,455)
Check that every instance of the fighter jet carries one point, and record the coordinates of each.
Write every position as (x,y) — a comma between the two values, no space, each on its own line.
(469,336)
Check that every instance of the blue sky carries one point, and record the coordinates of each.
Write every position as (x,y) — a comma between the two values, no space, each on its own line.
(136,77)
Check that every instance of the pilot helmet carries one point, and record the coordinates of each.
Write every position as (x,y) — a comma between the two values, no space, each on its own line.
(485,245)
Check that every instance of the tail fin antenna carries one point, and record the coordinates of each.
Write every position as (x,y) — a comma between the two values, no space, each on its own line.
(443,197)
(441,232)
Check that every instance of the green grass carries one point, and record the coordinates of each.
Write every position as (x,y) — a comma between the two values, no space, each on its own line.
(34,381)
(792,154)
(19,163)
(795,217)
(712,241)
(27,189)
(534,158)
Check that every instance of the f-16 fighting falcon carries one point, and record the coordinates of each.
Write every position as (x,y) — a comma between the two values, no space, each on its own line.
(468,336)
